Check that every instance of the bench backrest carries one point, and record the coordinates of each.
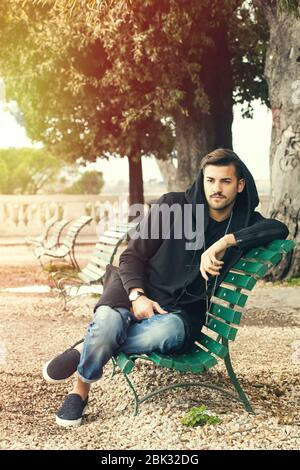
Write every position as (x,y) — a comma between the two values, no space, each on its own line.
(225,312)
(48,226)
(53,240)
(105,251)
(72,233)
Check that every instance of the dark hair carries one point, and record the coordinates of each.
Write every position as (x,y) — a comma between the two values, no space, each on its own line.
(223,157)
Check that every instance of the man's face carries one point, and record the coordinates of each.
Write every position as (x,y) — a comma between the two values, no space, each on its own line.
(221,186)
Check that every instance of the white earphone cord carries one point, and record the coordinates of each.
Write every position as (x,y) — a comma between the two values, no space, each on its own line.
(216,280)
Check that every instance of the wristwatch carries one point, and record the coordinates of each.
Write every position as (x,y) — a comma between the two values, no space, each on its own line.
(135,295)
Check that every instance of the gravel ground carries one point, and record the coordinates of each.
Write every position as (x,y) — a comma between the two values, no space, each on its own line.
(33,329)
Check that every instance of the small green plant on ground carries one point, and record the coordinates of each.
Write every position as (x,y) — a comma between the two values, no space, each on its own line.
(197,416)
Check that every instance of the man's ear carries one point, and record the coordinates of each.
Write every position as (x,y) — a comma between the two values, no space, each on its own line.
(241,185)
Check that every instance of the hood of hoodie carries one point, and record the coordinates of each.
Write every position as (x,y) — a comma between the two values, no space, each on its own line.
(245,204)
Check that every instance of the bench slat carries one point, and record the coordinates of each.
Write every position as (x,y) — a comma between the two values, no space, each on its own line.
(94,269)
(195,361)
(91,274)
(109,240)
(251,267)
(161,360)
(127,227)
(101,256)
(283,246)
(109,249)
(226,313)
(263,255)
(86,277)
(221,328)
(240,280)
(213,346)
(113,234)
(92,277)
(186,363)
(98,262)
(231,296)
(206,358)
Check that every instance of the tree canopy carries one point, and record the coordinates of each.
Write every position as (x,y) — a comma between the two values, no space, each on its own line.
(109,77)
(26,170)
(90,182)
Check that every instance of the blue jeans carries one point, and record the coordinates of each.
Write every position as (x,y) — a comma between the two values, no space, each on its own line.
(117,330)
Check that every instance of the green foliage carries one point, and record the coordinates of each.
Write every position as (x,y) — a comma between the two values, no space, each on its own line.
(90,182)
(98,78)
(197,417)
(249,36)
(26,170)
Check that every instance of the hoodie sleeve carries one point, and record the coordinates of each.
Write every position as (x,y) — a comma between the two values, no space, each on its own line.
(260,232)
(141,248)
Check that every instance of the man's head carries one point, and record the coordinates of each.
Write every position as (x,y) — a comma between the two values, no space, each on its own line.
(222,178)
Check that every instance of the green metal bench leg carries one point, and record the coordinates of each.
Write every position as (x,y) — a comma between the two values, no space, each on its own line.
(138,401)
(136,398)
(65,301)
(114,368)
(235,382)
(63,296)
(73,261)
(40,261)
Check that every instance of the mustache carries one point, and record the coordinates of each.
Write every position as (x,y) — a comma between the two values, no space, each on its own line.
(218,194)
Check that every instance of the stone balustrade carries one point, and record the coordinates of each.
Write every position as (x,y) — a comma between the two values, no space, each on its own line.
(26,215)
(23,216)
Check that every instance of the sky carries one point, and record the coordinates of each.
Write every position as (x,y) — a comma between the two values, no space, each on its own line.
(251,141)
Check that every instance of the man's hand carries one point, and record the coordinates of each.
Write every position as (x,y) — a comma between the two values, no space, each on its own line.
(143,308)
(211,258)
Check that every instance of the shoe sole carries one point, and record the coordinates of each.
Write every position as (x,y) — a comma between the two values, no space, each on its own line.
(49,379)
(65,423)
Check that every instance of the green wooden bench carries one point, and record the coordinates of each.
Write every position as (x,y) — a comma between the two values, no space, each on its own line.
(41,239)
(48,241)
(66,246)
(222,320)
(89,279)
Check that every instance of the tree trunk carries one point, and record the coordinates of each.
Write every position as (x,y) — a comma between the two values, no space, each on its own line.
(282,72)
(136,186)
(194,138)
(199,132)
(168,171)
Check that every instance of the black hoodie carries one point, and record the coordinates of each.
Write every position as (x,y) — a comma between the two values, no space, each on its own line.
(163,266)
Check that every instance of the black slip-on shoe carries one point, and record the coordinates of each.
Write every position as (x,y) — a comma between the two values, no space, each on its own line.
(62,366)
(70,413)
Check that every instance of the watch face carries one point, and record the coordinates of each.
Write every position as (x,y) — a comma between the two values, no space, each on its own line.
(133,296)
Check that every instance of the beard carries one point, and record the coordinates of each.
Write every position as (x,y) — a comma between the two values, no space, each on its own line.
(221,206)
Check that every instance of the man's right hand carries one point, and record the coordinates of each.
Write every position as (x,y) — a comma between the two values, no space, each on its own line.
(143,308)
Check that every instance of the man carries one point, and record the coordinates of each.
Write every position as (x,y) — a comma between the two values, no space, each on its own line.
(157,300)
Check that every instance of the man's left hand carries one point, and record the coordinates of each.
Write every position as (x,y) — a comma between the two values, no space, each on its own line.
(211,258)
